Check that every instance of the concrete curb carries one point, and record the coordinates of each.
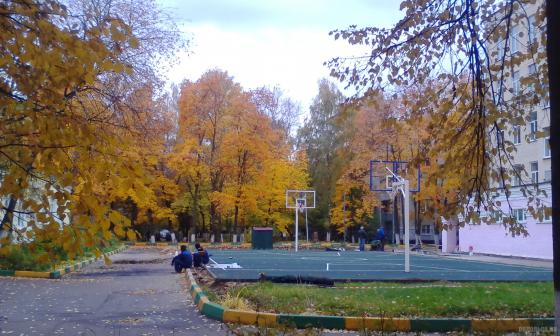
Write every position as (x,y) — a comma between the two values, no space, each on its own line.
(58,273)
(144,244)
(217,312)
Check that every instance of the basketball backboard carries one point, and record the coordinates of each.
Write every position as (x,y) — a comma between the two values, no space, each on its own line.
(300,199)
(382,175)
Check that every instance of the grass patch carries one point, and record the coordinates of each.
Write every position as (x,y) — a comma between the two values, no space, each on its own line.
(21,257)
(440,299)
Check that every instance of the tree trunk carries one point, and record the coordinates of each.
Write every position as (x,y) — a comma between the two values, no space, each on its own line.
(235,216)
(213,217)
(9,215)
(552,19)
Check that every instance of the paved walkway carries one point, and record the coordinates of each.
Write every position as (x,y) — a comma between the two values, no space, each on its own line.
(139,294)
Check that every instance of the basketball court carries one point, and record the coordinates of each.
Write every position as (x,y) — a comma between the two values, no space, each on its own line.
(391,178)
(229,265)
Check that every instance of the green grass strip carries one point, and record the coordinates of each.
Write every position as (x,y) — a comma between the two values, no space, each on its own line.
(443,325)
(541,322)
(305,321)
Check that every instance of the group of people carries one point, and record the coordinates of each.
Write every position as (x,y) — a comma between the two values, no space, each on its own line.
(186,259)
(378,243)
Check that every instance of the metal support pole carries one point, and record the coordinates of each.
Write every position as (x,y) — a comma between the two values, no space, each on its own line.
(306,227)
(344,214)
(406,197)
(297,228)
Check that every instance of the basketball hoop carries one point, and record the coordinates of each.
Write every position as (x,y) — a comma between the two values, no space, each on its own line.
(300,200)
(397,181)
(301,204)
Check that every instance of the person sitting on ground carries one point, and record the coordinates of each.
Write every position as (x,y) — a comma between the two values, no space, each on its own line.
(182,260)
(201,256)
(378,243)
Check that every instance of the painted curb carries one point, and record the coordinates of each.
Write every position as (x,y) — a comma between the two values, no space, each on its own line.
(58,273)
(143,244)
(219,313)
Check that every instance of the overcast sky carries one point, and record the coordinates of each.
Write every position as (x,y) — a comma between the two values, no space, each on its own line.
(272,42)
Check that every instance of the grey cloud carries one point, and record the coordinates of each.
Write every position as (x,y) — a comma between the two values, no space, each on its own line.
(309,14)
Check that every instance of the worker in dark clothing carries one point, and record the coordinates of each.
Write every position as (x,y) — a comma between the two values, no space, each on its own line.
(183,260)
(362,237)
(201,256)
(378,244)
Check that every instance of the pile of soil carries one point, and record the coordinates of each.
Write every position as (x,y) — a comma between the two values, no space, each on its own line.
(205,280)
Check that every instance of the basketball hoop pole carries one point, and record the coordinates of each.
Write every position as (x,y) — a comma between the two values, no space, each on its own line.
(297,228)
(300,200)
(406,197)
(394,184)
(306,227)
(403,186)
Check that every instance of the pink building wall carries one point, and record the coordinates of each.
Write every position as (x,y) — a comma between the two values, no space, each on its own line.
(497,240)
(494,239)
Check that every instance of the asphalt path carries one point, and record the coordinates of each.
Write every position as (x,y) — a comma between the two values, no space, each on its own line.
(139,294)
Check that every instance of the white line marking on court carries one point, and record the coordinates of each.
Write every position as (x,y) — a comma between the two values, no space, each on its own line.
(364,271)
(327,266)
(214,261)
(338,253)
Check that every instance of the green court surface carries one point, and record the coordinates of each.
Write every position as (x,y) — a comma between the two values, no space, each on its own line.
(246,265)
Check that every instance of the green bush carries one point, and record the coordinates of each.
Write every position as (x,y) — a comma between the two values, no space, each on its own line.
(21,258)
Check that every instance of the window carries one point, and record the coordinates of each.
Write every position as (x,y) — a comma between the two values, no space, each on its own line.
(533,124)
(534,172)
(516,84)
(519,215)
(503,177)
(426,229)
(501,48)
(532,69)
(547,176)
(516,135)
(496,216)
(532,29)
(547,142)
(546,98)
(533,75)
(517,171)
(500,138)
(514,40)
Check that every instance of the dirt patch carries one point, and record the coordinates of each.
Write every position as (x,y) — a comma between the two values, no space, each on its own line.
(205,280)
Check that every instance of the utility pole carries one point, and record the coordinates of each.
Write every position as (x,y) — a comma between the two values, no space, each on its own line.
(344,214)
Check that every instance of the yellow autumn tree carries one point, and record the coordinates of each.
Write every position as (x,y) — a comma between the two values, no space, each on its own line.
(227,148)
(52,147)
(66,143)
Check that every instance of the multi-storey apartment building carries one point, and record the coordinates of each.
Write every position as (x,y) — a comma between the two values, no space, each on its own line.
(531,159)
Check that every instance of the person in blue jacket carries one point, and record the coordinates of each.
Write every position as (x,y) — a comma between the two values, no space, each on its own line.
(201,256)
(183,260)
(378,243)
